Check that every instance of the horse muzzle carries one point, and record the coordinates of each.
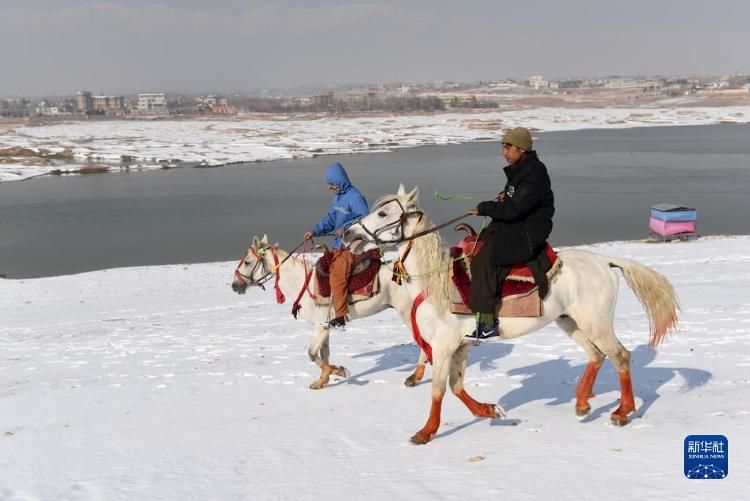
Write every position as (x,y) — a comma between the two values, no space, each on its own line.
(352,235)
(239,287)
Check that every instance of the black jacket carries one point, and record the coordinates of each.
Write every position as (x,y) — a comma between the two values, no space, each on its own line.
(522,222)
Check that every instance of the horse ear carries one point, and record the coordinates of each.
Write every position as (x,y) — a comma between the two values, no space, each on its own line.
(255,241)
(264,240)
(401,190)
(413,196)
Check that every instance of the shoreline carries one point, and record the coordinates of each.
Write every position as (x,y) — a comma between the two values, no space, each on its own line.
(81,148)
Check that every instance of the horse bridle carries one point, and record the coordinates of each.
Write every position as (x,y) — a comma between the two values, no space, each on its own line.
(247,280)
(405,215)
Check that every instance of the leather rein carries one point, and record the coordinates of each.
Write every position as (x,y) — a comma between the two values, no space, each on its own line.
(405,215)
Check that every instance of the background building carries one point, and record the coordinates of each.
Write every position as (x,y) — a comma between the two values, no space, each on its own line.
(84,102)
(538,82)
(152,104)
(109,105)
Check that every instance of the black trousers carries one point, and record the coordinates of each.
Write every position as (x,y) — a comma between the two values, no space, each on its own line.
(486,282)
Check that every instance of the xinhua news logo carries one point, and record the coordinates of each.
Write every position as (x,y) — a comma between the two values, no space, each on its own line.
(706,457)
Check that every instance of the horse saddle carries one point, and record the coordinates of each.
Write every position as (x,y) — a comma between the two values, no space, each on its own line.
(363,282)
(523,286)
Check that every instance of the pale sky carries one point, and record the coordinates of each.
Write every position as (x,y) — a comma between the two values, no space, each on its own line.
(127,46)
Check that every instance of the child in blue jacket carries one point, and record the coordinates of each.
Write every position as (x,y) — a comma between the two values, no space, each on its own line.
(348,206)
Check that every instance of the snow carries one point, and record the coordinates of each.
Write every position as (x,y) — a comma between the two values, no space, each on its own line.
(154,143)
(19,171)
(161,383)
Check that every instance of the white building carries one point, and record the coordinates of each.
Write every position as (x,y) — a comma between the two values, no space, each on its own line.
(47,109)
(623,83)
(503,85)
(152,104)
(538,82)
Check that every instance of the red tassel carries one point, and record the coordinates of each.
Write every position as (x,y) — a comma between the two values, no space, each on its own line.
(279,295)
(415,328)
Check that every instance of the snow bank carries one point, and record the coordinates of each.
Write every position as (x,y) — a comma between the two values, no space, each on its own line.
(138,145)
(160,383)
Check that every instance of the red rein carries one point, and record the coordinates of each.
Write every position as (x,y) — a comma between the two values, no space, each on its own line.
(308,274)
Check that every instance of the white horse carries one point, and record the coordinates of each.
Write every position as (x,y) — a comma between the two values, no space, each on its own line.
(260,265)
(581,301)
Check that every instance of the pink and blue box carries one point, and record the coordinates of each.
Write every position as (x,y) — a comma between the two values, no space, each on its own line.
(669,220)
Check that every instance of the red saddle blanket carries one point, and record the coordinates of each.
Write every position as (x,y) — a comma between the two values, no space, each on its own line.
(519,281)
(364,270)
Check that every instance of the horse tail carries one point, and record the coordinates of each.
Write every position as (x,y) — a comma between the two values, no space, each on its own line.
(655,293)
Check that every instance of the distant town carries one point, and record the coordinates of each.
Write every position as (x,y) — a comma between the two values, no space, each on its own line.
(394,97)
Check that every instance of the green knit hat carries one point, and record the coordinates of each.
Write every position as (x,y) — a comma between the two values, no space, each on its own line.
(518,136)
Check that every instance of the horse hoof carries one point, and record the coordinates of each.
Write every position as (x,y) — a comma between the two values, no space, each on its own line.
(619,420)
(497,412)
(418,439)
(341,372)
(583,411)
(317,385)
(411,381)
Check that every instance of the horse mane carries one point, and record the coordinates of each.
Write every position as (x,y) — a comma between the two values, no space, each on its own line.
(281,254)
(433,262)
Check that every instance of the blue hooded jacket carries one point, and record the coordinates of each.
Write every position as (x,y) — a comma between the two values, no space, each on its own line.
(348,205)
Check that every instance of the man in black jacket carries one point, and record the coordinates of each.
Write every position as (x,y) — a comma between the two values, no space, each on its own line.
(521,223)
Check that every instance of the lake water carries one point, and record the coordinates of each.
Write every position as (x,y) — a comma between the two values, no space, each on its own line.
(604,183)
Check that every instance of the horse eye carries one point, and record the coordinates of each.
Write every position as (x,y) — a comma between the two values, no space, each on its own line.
(247,263)
(381,213)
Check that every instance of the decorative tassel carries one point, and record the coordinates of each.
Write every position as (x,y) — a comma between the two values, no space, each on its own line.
(400,274)
(280,298)
(279,295)
(399,269)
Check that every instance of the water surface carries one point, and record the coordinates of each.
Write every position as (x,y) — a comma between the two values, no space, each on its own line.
(604,183)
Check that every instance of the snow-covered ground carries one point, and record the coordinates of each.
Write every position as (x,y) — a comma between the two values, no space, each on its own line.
(161,383)
(153,144)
